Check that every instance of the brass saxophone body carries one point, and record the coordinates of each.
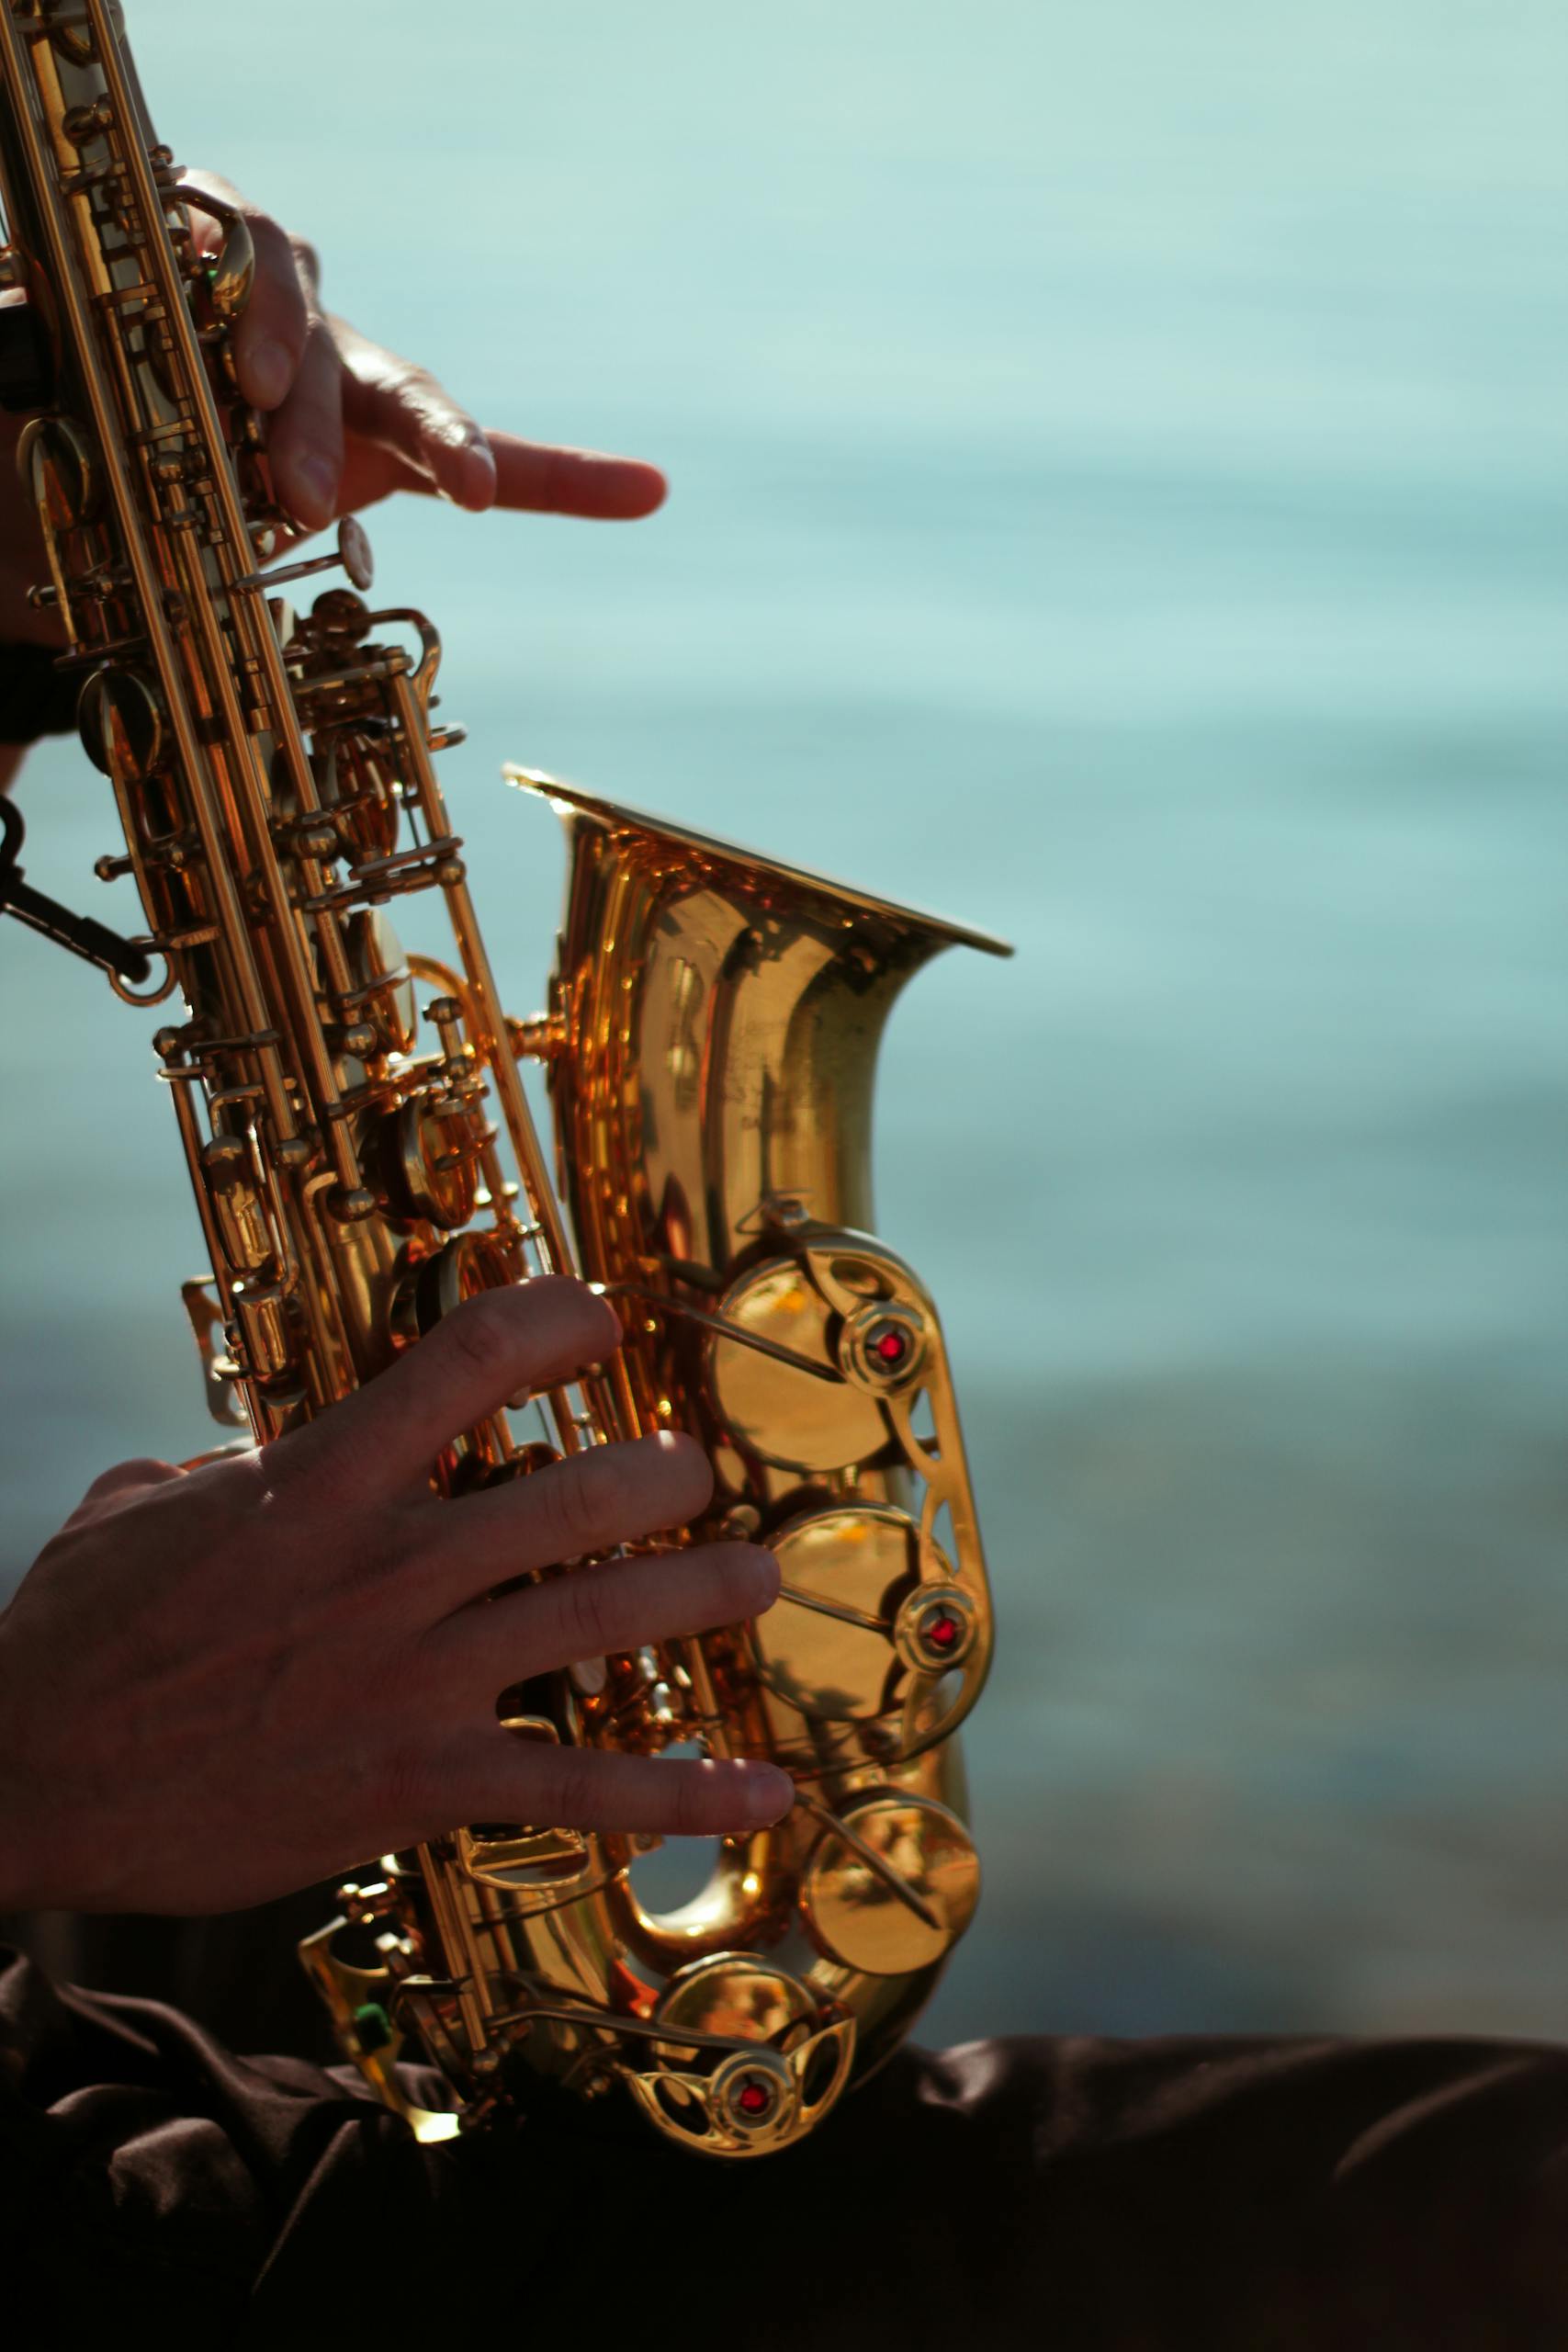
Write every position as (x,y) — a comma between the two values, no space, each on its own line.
(363,1156)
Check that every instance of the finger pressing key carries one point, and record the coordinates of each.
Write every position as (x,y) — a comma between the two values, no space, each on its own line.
(387,1433)
(595,1612)
(605,1496)
(492,1777)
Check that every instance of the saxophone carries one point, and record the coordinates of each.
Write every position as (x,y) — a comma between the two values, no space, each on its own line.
(362,1156)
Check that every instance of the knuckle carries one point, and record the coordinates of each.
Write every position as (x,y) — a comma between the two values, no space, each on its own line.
(584,1498)
(318,384)
(722,1580)
(127,1478)
(307,260)
(408,1789)
(410,384)
(566,1790)
(480,1334)
(369,1549)
(274,246)
(297,1504)
(583,1613)
(728,1596)
(284,1471)
(688,1800)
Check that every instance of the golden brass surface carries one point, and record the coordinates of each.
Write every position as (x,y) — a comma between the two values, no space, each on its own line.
(891,1886)
(362,1157)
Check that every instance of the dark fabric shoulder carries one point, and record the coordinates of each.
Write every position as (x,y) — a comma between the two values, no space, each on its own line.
(1224,2194)
(34,697)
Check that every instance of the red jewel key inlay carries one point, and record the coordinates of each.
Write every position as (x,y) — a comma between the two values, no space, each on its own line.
(753,2099)
(943,1632)
(891,1348)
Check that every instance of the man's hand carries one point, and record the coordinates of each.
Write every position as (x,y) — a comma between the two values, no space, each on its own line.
(220,1686)
(348,424)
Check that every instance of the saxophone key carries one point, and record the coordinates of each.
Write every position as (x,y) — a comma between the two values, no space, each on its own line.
(234,1192)
(892,1883)
(426,1161)
(827,1645)
(938,1627)
(773,1374)
(120,718)
(381,990)
(430,1285)
(220,1373)
(261,1332)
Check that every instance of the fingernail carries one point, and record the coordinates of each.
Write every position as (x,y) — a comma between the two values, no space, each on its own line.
(318,479)
(479,476)
(268,372)
(769,1792)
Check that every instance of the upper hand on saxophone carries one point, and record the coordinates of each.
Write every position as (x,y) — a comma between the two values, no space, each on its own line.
(348,423)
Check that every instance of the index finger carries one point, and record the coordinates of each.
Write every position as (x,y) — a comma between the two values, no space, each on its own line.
(534,477)
(491,1348)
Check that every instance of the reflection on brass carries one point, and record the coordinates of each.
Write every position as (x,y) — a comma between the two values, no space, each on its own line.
(121,724)
(219,1372)
(356,779)
(735,1997)
(235,1191)
(231,273)
(780,1413)
(791,2063)
(54,459)
(825,1644)
(382,990)
(893,1888)
(522,1859)
(430,1287)
(428,1165)
(362,1161)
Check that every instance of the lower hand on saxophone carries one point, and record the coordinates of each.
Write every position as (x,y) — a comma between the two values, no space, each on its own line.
(218,1686)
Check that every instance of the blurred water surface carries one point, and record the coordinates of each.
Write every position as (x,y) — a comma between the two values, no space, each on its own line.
(1121,472)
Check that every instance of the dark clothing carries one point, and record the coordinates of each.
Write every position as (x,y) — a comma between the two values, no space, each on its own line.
(1235,2196)
(34,697)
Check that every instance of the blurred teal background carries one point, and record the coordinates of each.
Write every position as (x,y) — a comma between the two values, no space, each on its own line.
(1120,463)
